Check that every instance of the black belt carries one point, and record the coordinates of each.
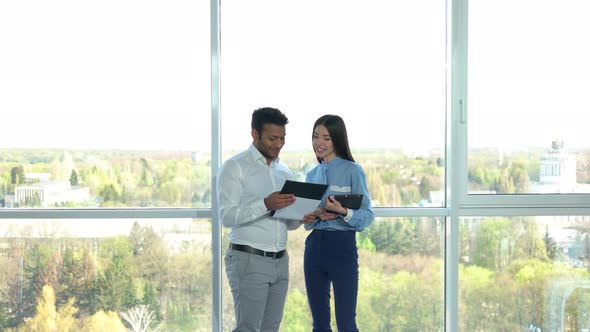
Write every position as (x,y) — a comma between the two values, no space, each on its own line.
(250,250)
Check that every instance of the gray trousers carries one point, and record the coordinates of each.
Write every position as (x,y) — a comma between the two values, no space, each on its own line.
(259,287)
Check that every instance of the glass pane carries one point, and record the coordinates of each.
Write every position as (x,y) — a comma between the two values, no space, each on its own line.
(401,278)
(104,275)
(528,101)
(359,60)
(524,273)
(109,101)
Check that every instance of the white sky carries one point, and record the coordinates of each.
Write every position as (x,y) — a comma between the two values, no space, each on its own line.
(135,74)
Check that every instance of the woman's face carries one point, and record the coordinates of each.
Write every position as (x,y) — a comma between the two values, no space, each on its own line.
(322,144)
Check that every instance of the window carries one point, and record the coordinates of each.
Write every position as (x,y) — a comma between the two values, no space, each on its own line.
(112,133)
(401,277)
(106,272)
(524,272)
(105,105)
(528,107)
(353,59)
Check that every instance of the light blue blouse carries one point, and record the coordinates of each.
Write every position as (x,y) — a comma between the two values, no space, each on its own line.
(343,177)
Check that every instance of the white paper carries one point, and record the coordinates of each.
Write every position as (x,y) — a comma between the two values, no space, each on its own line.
(300,207)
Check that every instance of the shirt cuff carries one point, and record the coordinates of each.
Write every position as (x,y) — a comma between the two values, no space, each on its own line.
(262,207)
(348,215)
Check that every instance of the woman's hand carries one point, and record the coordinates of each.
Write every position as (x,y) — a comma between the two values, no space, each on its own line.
(327,215)
(332,205)
(311,217)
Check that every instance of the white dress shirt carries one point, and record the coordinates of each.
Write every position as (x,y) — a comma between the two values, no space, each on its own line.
(243,182)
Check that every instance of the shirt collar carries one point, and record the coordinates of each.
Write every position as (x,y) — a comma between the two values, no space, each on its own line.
(257,156)
(326,166)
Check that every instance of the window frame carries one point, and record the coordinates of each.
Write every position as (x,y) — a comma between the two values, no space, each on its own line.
(458,201)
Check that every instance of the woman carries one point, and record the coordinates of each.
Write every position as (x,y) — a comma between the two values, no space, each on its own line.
(330,249)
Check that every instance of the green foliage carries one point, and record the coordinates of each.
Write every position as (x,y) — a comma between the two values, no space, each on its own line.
(181,317)
(37,273)
(425,187)
(296,317)
(31,201)
(150,299)
(404,301)
(77,278)
(74,178)
(395,237)
(4,316)
(493,245)
(48,318)
(401,275)
(528,243)
(116,291)
(550,246)
(365,243)
(409,195)
(17,175)
(109,193)
(104,321)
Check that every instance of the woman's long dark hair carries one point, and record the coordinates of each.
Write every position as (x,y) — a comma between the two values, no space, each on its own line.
(337,130)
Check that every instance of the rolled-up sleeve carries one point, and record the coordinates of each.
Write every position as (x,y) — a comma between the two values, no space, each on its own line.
(363,217)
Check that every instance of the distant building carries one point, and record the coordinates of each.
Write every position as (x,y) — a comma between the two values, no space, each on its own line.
(557,173)
(49,192)
(37,177)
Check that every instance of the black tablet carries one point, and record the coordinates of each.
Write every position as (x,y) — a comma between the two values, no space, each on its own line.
(350,201)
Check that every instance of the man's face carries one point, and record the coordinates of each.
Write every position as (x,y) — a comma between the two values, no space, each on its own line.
(270,141)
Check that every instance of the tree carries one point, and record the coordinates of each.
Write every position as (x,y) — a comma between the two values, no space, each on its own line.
(147,176)
(505,183)
(17,175)
(521,180)
(34,272)
(583,227)
(104,321)
(492,245)
(109,193)
(77,278)
(529,243)
(151,254)
(151,301)
(48,318)
(425,187)
(141,319)
(74,178)
(4,316)
(394,237)
(116,291)
(550,245)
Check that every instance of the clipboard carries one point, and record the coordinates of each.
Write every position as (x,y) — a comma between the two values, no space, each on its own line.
(350,201)
(307,197)
(304,189)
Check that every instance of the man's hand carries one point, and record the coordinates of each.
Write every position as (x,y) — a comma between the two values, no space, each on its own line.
(277,200)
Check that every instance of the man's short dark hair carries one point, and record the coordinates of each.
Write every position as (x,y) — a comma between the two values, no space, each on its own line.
(265,115)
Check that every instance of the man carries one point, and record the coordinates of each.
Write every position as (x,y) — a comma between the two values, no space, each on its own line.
(256,263)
